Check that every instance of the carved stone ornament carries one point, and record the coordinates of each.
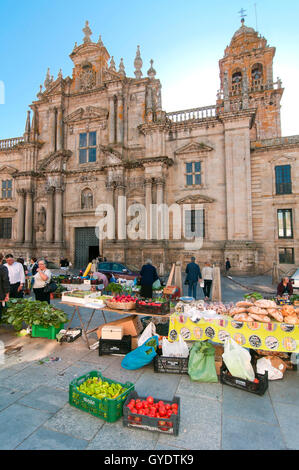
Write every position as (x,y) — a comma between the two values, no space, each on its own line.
(87,79)
(7,210)
(195,199)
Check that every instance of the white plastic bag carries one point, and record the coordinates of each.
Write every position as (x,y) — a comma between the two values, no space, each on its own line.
(264,364)
(149,331)
(238,360)
(176,349)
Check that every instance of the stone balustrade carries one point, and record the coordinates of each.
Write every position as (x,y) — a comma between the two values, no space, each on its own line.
(205,112)
(277,141)
(10,143)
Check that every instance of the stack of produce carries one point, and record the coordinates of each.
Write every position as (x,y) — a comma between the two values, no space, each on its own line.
(97,388)
(263,311)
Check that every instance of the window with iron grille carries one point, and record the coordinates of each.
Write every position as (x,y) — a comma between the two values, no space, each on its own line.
(193,173)
(283,179)
(88,147)
(285,223)
(286,256)
(195,223)
(5,228)
(6,189)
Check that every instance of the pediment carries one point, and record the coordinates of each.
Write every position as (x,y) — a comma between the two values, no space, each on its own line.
(111,157)
(89,113)
(9,170)
(7,210)
(195,199)
(282,158)
(194,147)
(55,161)
(55,87)
(110,75)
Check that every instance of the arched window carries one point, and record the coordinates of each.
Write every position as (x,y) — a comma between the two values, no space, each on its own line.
(86,199)
(236,82)
(257,75)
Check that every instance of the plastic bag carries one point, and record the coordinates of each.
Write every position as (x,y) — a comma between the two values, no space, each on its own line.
(238,360)
(176,349)
(141,356)
(201,366)
(149,331)
(265,364)
(157,284)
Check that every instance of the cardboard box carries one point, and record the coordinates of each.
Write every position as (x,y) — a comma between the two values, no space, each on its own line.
(219,350)
(131,325)
(277,363)
(112,332)
(134,342)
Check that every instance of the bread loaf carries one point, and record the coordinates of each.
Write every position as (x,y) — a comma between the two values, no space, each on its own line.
(257,311)
(276,314)
(263,303)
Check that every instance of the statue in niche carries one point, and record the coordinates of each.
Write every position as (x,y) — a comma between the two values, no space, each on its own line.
(41,220)
(86,199)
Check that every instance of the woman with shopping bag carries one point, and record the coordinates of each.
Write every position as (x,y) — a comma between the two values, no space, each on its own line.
(148,275)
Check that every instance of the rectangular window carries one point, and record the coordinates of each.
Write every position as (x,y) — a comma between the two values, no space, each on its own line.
(193,173)
(285,223)
(7,189)
(5,228)
(195,223)
(286,256)
(283,179)
(88,147)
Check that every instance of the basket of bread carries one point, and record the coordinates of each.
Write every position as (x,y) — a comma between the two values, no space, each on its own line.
(264,311)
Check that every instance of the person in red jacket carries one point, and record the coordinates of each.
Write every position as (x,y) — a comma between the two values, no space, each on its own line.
(284,287)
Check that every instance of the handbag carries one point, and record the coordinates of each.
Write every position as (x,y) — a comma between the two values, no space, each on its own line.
(50,287)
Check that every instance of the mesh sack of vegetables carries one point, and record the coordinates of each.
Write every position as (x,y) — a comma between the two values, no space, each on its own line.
(201,366)
(142,355)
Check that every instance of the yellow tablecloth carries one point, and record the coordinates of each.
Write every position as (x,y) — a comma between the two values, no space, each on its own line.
(272,336)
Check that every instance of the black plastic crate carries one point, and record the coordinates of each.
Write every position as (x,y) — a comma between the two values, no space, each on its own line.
(171,365)
(258,388)
(115,346)
(163,309)
(170,425)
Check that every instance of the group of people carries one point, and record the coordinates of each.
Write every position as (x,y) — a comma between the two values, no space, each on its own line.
(13,278)
(195,276)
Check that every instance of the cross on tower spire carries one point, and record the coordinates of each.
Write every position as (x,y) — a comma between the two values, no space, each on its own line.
(242,14)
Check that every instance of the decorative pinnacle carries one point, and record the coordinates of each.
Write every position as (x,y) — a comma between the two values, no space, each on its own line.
(87,32)
(138,64)
(151,72)
(48,79)
(100,42)
(122,68)
(112,64)
(60,74)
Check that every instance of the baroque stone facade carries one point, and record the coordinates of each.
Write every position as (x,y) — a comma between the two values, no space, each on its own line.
(99,135)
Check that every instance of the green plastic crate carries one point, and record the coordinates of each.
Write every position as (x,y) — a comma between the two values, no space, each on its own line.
(50,332)
(109,409)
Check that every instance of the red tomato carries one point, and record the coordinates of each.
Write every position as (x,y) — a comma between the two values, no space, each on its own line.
(168,407)
(134,410)
(138,400)
(174,406)
(170,424)
(140,412)
(145,404)
(162,411)
(150,400)
(161,403)
(139,405)
(132,402)
(153,409)
(175,412)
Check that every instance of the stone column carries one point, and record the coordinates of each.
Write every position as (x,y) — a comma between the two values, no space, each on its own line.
(120,120)
(53,126)
(60,128)
(50,215)
(160,209)
(148,203)
(111,202)
(121,213)
(21,215)
(29,216)
(58,215)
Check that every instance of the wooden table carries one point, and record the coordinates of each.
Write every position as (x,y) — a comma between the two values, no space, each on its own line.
(86,332)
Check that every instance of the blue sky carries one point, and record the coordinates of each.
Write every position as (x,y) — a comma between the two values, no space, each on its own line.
(185,39)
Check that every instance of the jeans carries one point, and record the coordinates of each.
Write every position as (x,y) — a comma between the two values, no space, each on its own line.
(192,289)
(207,287)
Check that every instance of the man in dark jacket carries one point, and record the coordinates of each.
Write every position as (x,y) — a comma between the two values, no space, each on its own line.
(148,275)
(4,284)
(192,278)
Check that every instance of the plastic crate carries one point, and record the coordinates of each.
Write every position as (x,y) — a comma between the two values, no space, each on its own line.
(50,332)
(151,424)
(161,328)
(252,387)
(115,346)
(163,309)
(108,409)
(171,365)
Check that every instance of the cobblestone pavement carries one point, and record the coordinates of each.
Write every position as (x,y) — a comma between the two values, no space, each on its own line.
(35,414)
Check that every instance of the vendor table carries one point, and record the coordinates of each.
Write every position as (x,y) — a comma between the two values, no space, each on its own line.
(272,336)
(86,332)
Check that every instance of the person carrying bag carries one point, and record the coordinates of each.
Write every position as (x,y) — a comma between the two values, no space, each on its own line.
(42,283)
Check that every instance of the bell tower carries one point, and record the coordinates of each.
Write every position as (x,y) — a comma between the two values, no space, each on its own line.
(246,81)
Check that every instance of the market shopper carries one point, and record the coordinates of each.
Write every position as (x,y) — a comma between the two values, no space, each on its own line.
(16,276)
(284,287)
(4,285)
(227,266)
(33,266)
(193,277)
(41,278)
(207,275)
(148,275)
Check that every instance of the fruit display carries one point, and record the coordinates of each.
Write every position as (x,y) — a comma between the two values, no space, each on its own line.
(97,388)
(124,302)
(152,414)
(159,305)
(75,296)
